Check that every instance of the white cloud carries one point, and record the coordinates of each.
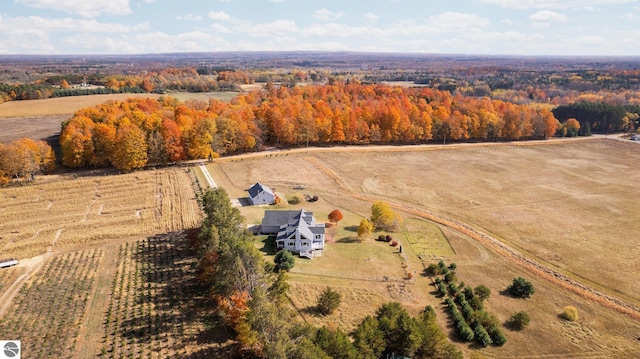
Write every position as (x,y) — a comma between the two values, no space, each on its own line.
(547,15)
(220,29)
(189,17)
(274,28)
(67,25)
(26,40)
(326,15)
(371,16)
(335,30)
(219,15)
(552,4)
(149,1)
(155,42)
(457,22)
(84,8)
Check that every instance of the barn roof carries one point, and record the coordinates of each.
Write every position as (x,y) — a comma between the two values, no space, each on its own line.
(258,188)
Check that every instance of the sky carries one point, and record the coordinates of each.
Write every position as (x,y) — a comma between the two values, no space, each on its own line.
(489,27)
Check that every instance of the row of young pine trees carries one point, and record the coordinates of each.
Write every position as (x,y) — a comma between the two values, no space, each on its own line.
(248,295)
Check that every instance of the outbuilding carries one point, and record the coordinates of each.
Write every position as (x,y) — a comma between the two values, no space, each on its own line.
(261,194)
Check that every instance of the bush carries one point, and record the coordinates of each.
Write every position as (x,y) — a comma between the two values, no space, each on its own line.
(284,260)
(519,320)
(381,238)
(466,333)
(328,301)
(521,288)
(432,270)
(442,266)
(450,277)
(497,336)
(481,335)
(295,199)
(569,313)
(475,303)
(482,291)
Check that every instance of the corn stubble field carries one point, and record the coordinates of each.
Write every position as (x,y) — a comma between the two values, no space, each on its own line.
(113,274)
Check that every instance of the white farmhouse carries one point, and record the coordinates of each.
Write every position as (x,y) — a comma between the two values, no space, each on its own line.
(296,231)
(261,194)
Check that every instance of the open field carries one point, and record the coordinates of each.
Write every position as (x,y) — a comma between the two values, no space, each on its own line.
(40,119)
(72,212)
(571,206)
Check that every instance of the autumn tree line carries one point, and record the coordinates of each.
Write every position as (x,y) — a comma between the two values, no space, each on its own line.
(137,132)
(21,160)
(186,79)
(247,296)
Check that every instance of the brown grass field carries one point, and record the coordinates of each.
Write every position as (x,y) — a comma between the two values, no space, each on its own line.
(568,206)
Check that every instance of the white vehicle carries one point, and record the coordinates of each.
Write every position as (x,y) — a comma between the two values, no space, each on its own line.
(8,263)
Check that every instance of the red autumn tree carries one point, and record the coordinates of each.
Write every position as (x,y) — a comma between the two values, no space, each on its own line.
(335,216)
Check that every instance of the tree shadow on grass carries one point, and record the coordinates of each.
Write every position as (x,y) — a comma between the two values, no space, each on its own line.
(269,245)
(353,229)
(349,240)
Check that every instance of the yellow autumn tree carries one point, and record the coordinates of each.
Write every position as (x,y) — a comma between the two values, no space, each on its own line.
(364,229)
(130,149)
(384,218)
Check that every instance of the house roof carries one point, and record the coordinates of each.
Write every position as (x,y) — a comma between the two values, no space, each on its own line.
(302,222)
(257,188)
(278,218)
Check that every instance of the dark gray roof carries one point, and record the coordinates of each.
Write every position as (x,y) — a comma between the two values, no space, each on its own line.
(257,188)
(279,218)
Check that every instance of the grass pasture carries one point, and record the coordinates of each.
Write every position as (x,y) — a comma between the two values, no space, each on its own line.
(562,204)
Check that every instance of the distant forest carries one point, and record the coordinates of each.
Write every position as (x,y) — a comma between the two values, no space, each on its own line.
(302,99)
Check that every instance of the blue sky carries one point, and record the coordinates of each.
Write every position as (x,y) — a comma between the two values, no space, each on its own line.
(497,27)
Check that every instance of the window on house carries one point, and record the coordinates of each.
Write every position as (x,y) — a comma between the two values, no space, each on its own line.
(318,236)
(291,244)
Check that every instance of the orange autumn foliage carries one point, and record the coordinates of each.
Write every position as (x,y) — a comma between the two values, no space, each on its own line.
(307,115)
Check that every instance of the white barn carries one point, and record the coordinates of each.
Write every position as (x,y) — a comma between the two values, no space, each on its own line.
(261,194)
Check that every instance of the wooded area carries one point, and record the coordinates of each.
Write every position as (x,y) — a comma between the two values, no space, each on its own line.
(138,132)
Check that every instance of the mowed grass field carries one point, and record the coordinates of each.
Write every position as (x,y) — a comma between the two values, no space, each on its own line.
(571,206)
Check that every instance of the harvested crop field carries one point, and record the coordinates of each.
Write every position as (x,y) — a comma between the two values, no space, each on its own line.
(569,206)
(72,212)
